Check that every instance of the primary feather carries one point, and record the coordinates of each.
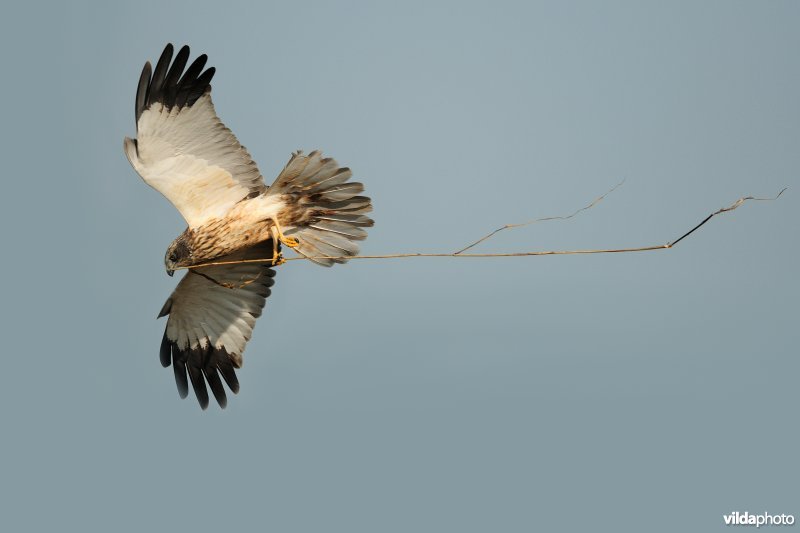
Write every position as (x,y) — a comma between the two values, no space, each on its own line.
(182,149)
(186,153)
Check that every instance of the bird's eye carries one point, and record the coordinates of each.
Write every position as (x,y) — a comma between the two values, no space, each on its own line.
(173,257)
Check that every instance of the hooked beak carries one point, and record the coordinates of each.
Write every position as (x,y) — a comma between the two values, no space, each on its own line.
(170,272)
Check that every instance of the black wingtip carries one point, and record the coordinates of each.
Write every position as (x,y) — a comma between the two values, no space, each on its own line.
(188,80)
(212,377)
(173,76)
(179,358)
(180,379)
(205,367)
(165,353)
(161,70)
(198,384)
(165,309)
(143,90)
(209,73)
(169,85)
(226,369)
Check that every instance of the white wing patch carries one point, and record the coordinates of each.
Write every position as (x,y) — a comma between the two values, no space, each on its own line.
(202,312)
(190,157)
(212,313)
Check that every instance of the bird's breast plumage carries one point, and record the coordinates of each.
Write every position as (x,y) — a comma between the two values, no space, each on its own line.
(246,225)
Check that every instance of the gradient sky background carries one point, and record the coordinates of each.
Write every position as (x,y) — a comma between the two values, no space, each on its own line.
(630,392)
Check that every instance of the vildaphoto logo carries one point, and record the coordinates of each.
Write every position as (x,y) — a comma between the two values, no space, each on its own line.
(764,519)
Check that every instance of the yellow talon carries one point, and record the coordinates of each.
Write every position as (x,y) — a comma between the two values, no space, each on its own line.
(291,242)
(278,259)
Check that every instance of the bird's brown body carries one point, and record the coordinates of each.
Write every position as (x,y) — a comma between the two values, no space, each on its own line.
(250,222)
(223,236)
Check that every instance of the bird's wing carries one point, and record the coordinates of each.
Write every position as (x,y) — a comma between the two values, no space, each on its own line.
(182,148)
(211,317)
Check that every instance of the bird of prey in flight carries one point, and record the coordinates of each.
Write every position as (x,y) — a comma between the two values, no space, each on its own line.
(186,153)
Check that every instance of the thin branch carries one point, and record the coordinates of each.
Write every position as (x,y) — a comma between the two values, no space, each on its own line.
(543,219)
(666,246)
(731,207)
(243,282)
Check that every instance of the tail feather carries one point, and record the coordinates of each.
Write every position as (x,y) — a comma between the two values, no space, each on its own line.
(345,191)
(341,228)
(355,220)
(340,176)
(318,170)
(357,205)
(321,249)
(327,212)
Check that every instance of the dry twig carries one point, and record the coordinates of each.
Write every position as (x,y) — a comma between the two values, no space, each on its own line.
(543,219)
(459,253)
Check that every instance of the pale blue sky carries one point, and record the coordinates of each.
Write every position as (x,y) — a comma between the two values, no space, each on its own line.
(636,392)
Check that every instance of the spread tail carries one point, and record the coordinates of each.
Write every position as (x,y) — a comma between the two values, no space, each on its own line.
(324,211)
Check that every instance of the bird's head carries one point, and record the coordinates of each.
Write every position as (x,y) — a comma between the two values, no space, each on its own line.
(178,255)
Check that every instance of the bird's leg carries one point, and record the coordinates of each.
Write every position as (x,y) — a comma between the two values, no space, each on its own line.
(277,257)
(291,242)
